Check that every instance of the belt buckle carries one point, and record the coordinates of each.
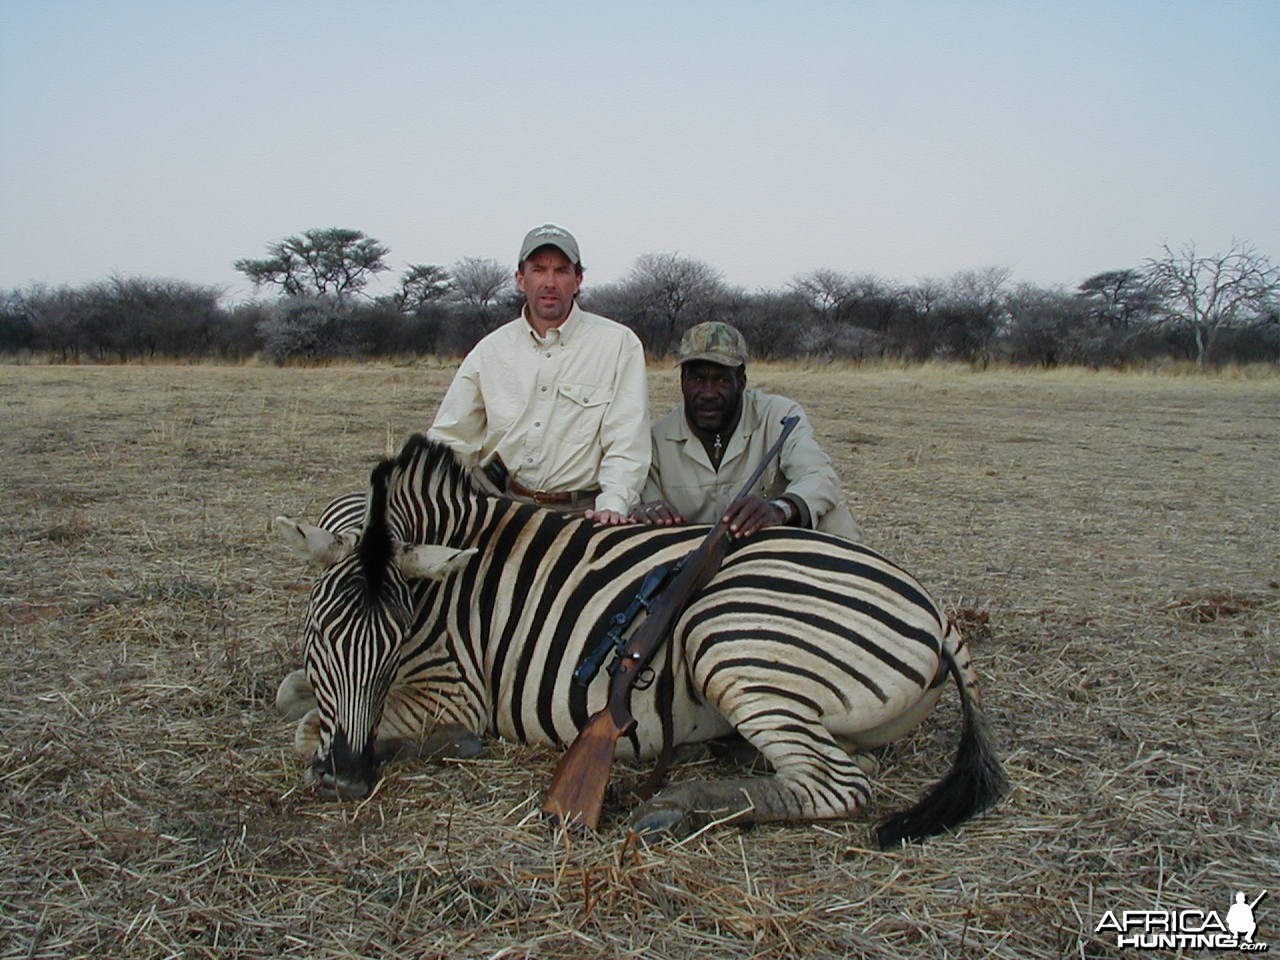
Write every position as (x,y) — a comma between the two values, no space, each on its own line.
(541,497)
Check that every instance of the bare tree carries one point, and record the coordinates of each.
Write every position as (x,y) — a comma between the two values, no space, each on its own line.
(672,293)
(55,314)
(972,314)
(916,330)
(480,281)
(17,331)
(1208,295)
(122,318)
(1046,327)
(144,317)
(775,324)
(824,291)
(330,262)
(926,294)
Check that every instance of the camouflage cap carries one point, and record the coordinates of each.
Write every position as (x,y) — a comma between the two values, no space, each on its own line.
(714,341)
(549,235)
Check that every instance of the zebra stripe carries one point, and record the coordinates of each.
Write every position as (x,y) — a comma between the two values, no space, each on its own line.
(803,643)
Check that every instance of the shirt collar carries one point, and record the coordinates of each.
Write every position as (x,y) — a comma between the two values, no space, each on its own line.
(735,443)
(561,334)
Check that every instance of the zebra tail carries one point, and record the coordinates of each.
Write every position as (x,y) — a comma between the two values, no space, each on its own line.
(975,781)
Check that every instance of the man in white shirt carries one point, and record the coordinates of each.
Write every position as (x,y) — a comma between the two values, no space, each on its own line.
(555,403)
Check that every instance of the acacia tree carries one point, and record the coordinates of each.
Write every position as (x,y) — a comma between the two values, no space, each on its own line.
(329,262)
(1120,309)
(422,285)
(1207,295)
(1119,299)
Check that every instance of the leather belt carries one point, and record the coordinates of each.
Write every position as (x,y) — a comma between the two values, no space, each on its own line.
(542,497)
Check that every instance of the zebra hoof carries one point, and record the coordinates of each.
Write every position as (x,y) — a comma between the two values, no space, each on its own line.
(452,742)
(655,821)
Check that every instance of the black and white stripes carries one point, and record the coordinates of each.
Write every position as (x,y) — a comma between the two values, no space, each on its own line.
(807,645)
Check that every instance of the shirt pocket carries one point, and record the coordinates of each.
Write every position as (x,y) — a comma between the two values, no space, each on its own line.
(580,409)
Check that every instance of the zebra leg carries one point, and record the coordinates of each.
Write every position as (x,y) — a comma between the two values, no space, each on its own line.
(419,726)
(450,741)
(731,750)
(306,736)
(814,779)
(294,697)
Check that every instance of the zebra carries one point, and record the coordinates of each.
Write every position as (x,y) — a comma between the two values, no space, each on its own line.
(443,614)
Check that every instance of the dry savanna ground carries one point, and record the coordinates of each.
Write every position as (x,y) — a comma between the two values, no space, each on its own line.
(1111,543)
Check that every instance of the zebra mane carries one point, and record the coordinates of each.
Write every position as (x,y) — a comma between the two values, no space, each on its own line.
(375,539)
(421,462)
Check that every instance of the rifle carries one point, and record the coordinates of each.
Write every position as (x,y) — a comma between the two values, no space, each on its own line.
(613,642)
(576,794)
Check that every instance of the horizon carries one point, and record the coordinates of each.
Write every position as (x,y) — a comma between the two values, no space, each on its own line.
(1055,141)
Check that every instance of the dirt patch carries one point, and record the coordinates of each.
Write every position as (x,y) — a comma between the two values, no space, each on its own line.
(1222,605)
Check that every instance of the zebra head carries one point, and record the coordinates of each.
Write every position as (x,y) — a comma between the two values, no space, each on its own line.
(361,610)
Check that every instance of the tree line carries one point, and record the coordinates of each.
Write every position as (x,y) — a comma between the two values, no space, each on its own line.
(1210,309)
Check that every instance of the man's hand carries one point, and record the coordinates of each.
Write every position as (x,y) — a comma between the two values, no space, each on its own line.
(610,518)
(659,513)
(751,514)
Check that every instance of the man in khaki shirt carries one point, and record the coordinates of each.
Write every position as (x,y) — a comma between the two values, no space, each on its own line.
(555,403)
(704,450)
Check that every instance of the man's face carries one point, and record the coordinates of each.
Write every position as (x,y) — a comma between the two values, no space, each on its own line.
(712,393)
(549,282)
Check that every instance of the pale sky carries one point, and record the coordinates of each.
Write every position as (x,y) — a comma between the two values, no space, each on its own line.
(901,139)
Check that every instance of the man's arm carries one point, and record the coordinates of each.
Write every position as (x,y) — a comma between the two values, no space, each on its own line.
(813,486)
(654,508)
(624,436)
(461,420)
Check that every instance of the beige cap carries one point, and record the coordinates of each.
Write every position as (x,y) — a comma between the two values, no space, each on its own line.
(549,235)
(714,341)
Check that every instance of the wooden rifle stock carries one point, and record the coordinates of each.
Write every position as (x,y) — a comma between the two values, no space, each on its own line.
(576,794)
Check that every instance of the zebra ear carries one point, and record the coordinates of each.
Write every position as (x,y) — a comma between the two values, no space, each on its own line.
(313,544)
(431,561)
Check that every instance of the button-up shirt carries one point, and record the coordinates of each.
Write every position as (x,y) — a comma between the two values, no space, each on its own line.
(682,474)
(565,412)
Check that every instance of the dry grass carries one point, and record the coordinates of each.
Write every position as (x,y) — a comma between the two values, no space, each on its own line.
(1111,542)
